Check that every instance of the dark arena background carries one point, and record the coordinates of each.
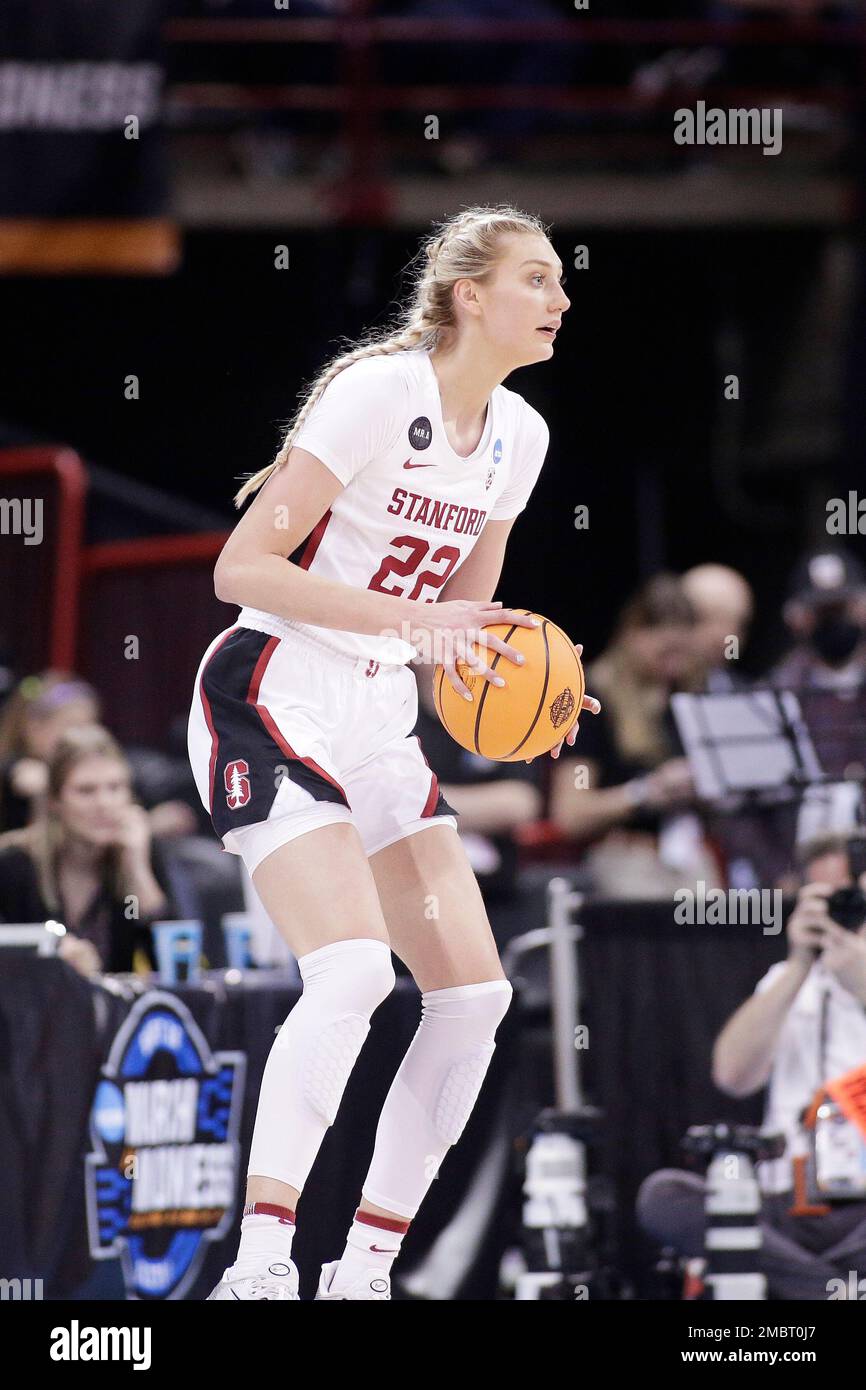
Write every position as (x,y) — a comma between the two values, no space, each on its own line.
(202,202)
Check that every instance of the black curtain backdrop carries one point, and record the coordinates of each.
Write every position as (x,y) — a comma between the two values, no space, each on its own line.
(633,395)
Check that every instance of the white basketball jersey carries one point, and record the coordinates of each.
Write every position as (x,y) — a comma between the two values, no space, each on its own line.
(411,509)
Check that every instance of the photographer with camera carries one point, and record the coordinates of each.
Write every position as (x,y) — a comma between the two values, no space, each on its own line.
(804,1025)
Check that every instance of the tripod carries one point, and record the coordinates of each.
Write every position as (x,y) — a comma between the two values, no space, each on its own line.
(557,1257)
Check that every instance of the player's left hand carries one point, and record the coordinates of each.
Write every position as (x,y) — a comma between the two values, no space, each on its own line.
(589,703)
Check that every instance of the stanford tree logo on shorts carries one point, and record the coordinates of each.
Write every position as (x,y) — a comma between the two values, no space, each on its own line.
(237,784)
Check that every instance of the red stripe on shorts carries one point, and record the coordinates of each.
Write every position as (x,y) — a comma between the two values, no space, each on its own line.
(313,543)
(430,803)
(208,714)
(268,720)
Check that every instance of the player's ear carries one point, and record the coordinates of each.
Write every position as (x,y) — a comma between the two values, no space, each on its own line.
(466,294)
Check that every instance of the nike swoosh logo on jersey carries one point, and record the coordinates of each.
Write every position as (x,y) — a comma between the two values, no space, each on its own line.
(381,1251)
(407,464)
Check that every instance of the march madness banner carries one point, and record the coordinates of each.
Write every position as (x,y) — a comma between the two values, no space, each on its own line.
(82,183)
(162,1175)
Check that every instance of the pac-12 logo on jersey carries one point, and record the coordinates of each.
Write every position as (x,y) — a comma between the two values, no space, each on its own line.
(421,433)
(497,451)
(237,784)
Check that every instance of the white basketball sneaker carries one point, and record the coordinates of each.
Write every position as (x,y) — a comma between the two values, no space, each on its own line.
(278,1281)
(371,1284)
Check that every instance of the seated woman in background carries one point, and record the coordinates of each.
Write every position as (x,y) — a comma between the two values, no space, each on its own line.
(39,711)
(624,787)
(87,860)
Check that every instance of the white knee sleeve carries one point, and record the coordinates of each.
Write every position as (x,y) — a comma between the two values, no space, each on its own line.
(313,1055)
(434,1091)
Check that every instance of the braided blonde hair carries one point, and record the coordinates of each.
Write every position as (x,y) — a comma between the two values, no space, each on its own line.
(464,246)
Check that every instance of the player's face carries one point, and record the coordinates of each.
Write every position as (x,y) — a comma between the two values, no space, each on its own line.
(523,301)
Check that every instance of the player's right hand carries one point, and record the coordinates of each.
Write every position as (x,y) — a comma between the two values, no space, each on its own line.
(809,922)
(451,627)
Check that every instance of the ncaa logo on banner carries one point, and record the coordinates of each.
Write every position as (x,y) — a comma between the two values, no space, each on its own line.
(160,1182)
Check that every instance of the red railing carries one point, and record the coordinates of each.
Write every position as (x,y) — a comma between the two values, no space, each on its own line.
(73,562)
(153,551)
(357,26)
(71,479)
(360,98)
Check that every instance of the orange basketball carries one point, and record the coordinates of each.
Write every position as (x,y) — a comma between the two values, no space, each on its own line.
(533,710)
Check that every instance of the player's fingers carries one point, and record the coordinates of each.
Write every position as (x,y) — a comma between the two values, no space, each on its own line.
(572,734)
(554,752)
(497,645)
(490,675)
(579,648)
(480,667)
(494,608)
(512,615)
(592,704)
(456,682)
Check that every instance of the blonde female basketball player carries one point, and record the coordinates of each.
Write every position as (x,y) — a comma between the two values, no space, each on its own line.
(379,529)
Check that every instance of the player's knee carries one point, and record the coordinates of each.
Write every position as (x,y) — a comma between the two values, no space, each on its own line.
(480,1011)
(473,1011)
(500,1002)
(343,983)
(353,976)
(373,977)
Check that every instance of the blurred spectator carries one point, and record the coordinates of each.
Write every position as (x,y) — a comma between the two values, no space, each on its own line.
(471,137)
(625,783)
(492,799)
(7,677)
(724,605)
(38,713)
(826,614)
(804,1025)
(87,859)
